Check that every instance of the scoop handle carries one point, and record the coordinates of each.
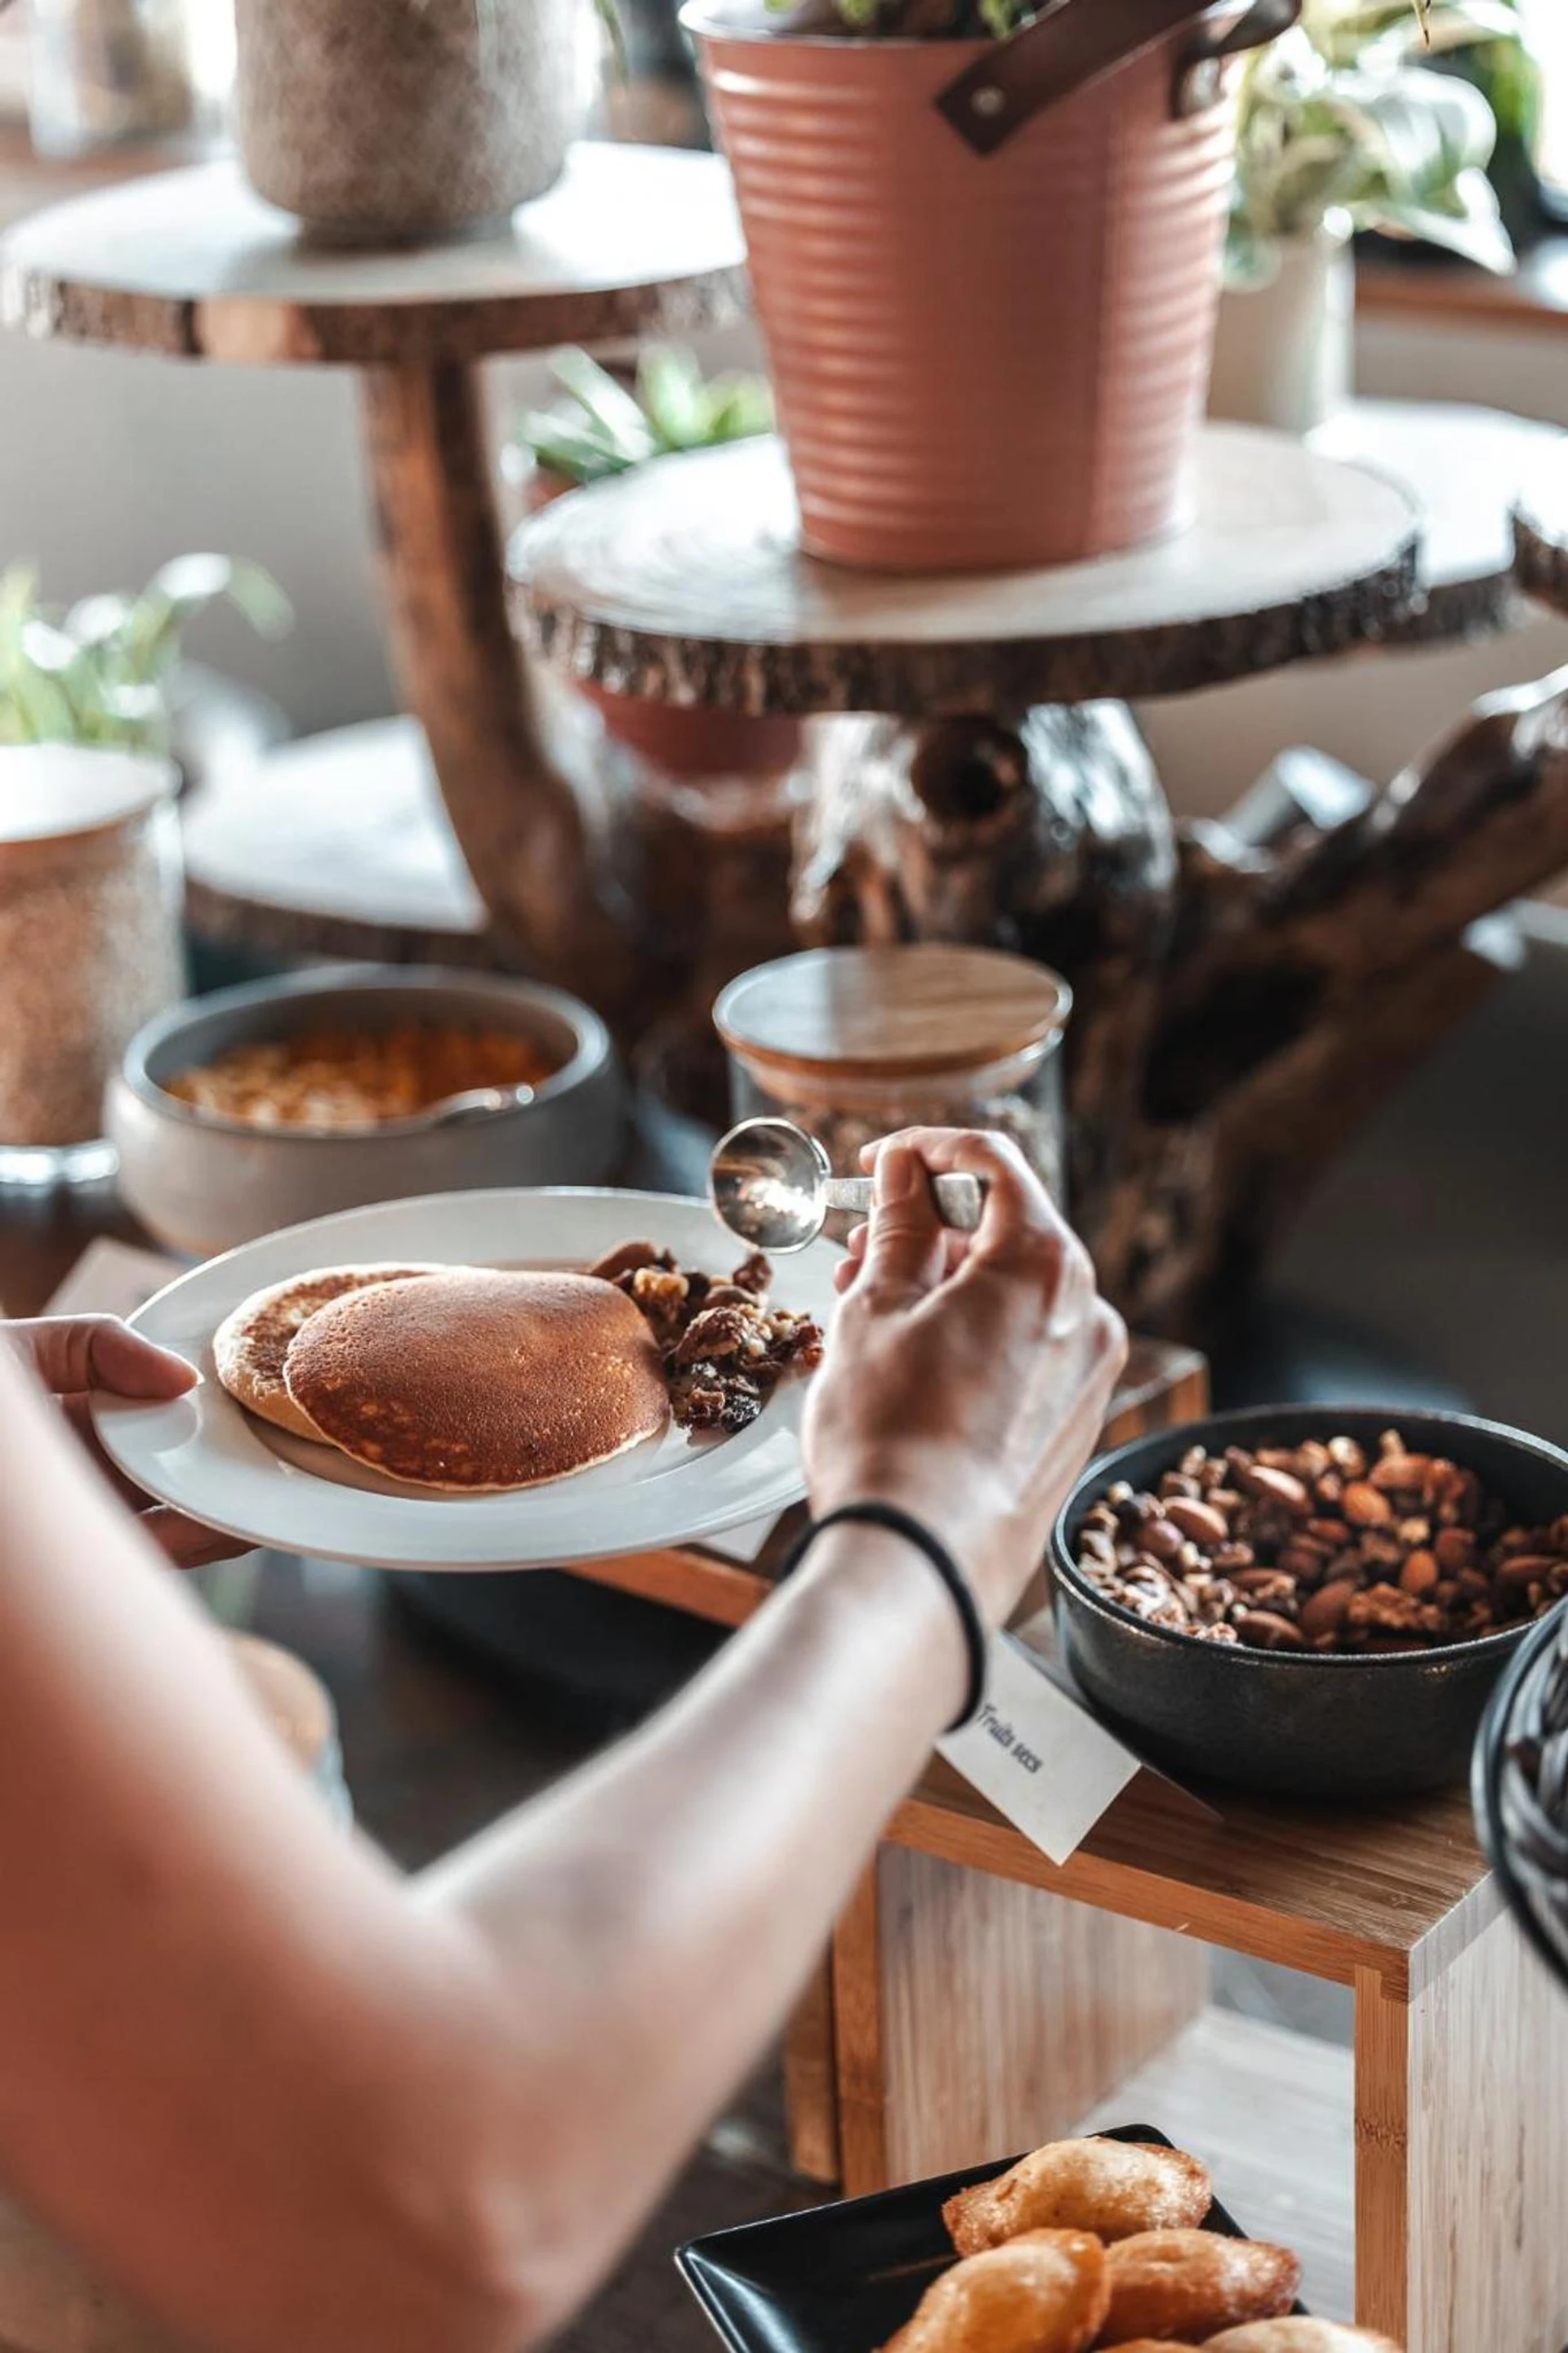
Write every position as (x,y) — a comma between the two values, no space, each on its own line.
(959,1198)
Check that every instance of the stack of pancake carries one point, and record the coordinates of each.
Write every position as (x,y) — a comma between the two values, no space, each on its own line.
(463,1380)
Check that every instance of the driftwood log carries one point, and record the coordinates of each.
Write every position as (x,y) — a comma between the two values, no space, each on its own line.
(1241,1016)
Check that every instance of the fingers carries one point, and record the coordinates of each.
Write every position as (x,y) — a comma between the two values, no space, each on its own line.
(955,1249)
(186,1542)
(1021,1232)
(77,1411)
(903,1254)
(71,1354)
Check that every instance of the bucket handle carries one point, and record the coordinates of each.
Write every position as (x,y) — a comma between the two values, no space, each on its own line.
(1078,41)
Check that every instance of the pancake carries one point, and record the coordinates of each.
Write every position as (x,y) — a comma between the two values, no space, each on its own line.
(249,1345)
(472,1381)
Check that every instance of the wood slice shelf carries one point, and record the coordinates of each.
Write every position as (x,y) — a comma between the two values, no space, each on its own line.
(1465,467)
(191,264)
(683,581)
(336,845)
(1541,530)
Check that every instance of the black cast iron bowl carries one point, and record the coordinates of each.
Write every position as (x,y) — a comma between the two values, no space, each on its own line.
(1305,1724)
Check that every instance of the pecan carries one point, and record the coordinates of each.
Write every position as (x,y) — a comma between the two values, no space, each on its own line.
(1383,1610)
(1266,1588)
(720,1332)
(626,1257)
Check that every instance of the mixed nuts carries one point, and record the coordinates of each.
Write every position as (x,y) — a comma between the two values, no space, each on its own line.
(1322,1546)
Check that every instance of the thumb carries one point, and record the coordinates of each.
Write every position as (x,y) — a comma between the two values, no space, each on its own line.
(72,1353)
(904,1249)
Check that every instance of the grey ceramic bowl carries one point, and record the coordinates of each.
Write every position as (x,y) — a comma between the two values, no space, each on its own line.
(202,1183)
(1313,1724)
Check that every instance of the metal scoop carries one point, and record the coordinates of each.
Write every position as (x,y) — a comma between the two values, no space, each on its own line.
(773,1185)
(474,1102)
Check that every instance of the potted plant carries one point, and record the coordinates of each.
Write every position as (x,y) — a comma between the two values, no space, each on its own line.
(986,248)
(98,675)
(394,120)
(1343,128)
(602,427)
(90,865)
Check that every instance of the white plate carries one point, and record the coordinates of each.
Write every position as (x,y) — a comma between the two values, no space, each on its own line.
(212,1459)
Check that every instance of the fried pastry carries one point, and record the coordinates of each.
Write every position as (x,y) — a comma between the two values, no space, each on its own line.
(1190,2285)
(1113,2188)
(1042,2293)
(1300,2336)
(1149,2345)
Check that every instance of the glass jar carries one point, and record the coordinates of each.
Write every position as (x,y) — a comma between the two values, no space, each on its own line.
(90,943)
(299,1706)
(109,73)
(853,1043)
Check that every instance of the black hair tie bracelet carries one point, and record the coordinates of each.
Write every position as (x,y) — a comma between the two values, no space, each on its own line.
(905,1525)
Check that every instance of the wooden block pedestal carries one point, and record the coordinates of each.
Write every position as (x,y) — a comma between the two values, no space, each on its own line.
(979,1998)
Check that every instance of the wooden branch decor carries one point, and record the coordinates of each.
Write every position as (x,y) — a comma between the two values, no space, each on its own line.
(1242,1015)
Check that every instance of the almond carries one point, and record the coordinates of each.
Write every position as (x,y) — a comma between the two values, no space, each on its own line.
(1455,1548)
(1398,1471)
(1265,1631)
(1420,1574)
(1199,1521)
(1280,1487)
(1364,1507)
(1324,1613)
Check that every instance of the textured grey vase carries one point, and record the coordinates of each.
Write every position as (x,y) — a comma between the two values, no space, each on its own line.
(393,121)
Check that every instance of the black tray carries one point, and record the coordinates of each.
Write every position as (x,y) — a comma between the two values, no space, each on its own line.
(843,2278)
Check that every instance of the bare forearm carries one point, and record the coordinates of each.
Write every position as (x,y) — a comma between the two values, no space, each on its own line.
(652,1923)
(367,2114)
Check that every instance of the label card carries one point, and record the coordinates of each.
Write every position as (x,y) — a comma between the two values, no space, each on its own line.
(1039,1755)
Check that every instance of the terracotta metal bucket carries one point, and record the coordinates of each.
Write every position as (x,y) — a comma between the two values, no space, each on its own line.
(982,358)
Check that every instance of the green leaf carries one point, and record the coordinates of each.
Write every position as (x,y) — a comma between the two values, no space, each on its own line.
(609,404)
(670,383)
(97,678)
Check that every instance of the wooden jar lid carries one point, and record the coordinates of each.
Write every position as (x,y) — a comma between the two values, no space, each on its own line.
(891,1012)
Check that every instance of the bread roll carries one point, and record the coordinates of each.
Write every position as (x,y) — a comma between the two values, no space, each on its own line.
(1189,2284)
(1113,2188)
(1043,2293)
(1296,2335)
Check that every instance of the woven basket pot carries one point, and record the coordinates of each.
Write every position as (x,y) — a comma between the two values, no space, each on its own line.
(979,359)
(1519,1784)
(384,121)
